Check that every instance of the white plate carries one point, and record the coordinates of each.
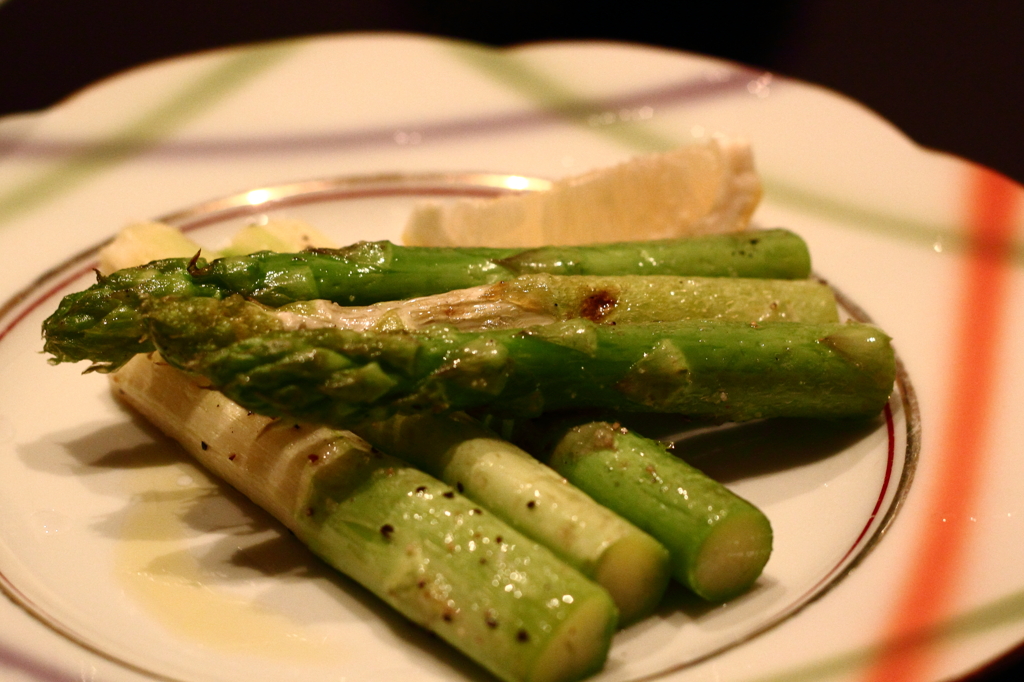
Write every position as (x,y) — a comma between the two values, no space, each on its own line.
(133,565)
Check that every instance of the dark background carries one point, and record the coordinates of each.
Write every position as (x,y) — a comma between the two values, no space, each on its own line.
(949,73)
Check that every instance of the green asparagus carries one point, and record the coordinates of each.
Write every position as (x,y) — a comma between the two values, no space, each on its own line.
(718,542)
(722,371)
(768,254)
(102,323)
(531,300)
(416,543)
(535,500)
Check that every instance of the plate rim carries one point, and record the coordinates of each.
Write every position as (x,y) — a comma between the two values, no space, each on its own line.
(476,183)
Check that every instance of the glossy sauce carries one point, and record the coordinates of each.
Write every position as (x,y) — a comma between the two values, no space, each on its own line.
(167,565)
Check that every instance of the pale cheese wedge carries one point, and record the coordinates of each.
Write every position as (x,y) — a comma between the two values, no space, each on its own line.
(698,189)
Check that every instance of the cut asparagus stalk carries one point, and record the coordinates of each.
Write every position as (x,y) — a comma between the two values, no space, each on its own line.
(535,500)
(719,542)
(102,323)
(722,371)
(424,549)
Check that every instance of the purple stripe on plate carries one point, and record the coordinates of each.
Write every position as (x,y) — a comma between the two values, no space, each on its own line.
(410,133)
(11,659)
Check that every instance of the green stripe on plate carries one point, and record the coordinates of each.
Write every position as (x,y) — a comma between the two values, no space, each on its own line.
(1002,612)
(556,97)
(553,96)
(930,235)
(229,73)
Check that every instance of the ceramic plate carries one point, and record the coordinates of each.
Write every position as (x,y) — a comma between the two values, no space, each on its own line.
(123,561)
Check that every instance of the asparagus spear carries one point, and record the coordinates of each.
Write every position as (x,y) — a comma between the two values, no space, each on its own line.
(105,316)
(423,548)
(724,371)
(768,254)
(531,300)
(535,500)
(718,542)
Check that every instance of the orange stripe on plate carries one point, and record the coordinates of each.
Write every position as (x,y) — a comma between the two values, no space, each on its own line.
(992,203)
